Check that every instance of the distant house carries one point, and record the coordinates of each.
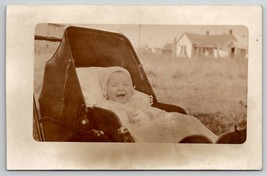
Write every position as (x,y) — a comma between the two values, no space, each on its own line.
(239,49)
(144,50)
(158,51)
(196,45)
(167,49)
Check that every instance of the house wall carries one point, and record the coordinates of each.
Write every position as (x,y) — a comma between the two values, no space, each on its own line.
(184,47)
(241,52)
(238,52)
(224,53)
(226,49)
(206,51)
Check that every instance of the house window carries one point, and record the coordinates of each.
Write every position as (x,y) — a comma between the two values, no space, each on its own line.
(232,52)
(183,50)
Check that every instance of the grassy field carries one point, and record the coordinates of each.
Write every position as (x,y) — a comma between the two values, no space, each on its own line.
(213,90)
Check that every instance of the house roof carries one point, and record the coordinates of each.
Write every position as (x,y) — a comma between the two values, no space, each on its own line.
(211,40)
(240,45)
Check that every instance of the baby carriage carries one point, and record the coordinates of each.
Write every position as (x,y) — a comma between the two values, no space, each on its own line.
(64,115)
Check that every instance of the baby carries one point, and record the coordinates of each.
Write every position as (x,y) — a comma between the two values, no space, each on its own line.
(146,123)
(117,87)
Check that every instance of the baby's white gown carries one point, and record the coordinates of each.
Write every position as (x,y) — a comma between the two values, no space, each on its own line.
(169,127)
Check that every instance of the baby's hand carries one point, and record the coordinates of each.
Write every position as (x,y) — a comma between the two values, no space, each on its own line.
(161,114)
(132,117)
(150,115)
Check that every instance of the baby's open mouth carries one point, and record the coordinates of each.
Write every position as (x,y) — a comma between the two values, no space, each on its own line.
(120,95)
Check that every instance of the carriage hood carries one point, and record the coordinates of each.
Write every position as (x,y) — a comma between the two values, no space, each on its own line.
(61,97)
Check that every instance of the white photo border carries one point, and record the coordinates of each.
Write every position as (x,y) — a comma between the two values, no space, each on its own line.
(23,153)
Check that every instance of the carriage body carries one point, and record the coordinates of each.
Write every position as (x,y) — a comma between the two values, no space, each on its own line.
(63,113)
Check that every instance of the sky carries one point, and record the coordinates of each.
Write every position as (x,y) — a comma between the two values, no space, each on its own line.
(156,36)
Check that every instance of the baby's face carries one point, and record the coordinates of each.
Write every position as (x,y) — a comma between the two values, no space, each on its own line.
(119,87)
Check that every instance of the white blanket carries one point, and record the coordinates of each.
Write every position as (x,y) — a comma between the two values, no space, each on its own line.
(168,128)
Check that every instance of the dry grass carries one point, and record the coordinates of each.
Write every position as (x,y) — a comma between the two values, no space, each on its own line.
(43,51)
(214,90)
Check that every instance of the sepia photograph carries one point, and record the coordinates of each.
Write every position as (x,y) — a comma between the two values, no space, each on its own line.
(140,83)
(132,87)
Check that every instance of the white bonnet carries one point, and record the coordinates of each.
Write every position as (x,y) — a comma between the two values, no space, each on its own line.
(105,77)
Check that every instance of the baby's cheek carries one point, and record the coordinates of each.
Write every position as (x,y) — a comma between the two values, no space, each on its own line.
(129,95)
